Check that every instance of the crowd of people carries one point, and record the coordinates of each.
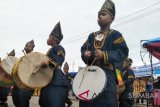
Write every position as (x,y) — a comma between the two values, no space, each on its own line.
(105,48)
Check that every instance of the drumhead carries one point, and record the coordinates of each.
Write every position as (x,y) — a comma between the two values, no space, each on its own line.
(89,83)
(25,71)
(4,76)
(6,67)
(8,64)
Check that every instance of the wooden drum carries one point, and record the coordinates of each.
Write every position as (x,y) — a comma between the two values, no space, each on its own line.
(6,66)
(28,73)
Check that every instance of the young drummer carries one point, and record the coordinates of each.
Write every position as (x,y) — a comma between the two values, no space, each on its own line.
(21,97)
(69,85)
(104,48)
(126,98)
(4,91)
(53,95)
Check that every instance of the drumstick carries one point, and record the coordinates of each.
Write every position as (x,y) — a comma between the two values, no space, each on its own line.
(85,72)
(36,70)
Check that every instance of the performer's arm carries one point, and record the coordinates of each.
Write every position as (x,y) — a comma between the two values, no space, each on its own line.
(119,51)
(56,56)
(130,78)
(86,49)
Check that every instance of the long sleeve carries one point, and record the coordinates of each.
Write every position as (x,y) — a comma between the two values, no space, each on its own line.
(87,46)
(130,77)
(56,55)
(119,49)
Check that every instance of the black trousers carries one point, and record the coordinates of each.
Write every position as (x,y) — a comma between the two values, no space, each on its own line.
(21,97)
(52,96)
(125,100)
(67,100)
(4,91)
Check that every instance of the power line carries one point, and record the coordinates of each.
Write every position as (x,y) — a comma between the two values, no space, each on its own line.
(138,11)
(74,38)
(122,23)
(78,36)
(138,17)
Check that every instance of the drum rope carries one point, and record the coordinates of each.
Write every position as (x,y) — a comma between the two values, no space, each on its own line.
(8,60)
(86,71)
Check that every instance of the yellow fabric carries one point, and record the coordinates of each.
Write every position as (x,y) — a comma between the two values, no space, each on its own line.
(37,92)
(14,70)
(60,53)
(104,57)
(130,77)
(118,41)
(52,62)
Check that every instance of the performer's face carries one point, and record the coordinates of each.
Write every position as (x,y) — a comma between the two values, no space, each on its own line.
(65,70)
(51,41)
(104,19)
(126,64)
(28,48)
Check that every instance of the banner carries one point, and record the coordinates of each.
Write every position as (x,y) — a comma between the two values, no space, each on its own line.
(146,70)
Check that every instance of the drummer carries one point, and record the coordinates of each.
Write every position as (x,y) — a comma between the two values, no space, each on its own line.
(126,98)
(53,95)
(69,85)
(21,97)
(104,48)
(4,91)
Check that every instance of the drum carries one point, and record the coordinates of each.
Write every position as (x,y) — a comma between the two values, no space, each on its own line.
(89,83)
(6,67)
(28,73)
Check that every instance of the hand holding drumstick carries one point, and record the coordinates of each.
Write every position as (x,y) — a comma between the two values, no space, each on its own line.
(87,54)
(98,54)
(45,63)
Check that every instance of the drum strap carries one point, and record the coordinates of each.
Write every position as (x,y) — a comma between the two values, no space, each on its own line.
(124,73)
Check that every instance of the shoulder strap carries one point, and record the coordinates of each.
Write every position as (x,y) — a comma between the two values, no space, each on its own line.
(124,73)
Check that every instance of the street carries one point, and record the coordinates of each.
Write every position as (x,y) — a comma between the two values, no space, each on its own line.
(34,103)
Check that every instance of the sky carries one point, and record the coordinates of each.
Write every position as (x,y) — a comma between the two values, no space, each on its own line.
(24,20)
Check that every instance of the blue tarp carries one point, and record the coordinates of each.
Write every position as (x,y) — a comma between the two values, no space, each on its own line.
(73,73)
(141,71)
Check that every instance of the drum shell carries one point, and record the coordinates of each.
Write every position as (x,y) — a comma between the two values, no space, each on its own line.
(23,72)
(16,79)
(6,66)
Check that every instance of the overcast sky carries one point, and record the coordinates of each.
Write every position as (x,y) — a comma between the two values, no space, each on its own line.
(23,20)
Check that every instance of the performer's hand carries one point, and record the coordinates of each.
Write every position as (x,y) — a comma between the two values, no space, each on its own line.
(44,63)
(98,54)
(123,84)
(87,54)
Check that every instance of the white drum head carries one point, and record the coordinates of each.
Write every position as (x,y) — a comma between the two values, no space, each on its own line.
(89,83)
(8,64)
(32,62)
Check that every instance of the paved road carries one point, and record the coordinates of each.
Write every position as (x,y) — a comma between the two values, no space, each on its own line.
(34,103)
